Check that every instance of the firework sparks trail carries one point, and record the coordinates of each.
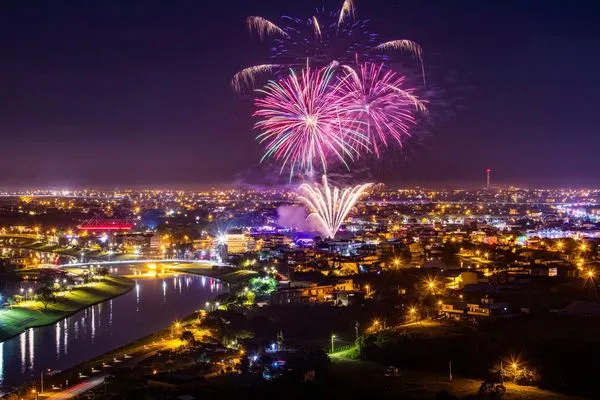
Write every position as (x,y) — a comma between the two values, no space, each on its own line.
(317,28)
(347,9)
(338,39)
(377,98)
(264,27)
(330,205)
(247,76)
(405,45)
(302,122)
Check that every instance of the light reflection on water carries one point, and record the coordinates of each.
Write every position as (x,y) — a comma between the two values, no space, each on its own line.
(102,327)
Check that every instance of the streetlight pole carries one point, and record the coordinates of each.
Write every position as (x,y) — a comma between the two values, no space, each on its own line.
(332,343)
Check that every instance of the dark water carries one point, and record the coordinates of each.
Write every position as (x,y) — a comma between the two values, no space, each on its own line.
(150,306)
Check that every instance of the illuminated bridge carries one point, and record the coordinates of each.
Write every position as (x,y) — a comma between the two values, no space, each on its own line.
(104,224)
(142,261)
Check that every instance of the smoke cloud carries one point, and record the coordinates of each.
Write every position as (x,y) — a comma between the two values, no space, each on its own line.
(291,216)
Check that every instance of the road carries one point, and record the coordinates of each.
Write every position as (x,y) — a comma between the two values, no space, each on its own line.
(90,384)
(75,390)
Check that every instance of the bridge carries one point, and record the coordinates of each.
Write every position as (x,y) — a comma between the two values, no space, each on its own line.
(142,261)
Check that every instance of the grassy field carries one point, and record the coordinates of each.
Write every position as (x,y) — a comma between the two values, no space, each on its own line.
(226,274)
(367,377)
(32,313)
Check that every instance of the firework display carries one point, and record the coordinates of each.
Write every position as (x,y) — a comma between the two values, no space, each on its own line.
(324,39)
(332,99)
(311,120)
(304,120)
(330,205)
(377,100)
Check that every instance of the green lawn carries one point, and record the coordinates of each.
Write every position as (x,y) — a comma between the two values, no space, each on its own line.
(226,274)
(32,313)
(368,377)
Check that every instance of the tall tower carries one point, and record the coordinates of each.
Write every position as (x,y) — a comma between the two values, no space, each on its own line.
(488,172)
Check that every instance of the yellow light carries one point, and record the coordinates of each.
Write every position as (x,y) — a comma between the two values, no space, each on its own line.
(514,365)
(591,274)
(412,310)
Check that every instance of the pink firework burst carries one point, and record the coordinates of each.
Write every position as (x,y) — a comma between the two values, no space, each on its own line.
(377,99)
(303,121)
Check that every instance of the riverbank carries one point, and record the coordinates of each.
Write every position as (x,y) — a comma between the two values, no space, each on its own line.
(85,376)
(28,314)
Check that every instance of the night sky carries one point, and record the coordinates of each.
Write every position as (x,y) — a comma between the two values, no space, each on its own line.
(134,93)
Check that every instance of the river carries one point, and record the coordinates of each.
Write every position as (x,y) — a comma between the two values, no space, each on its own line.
(153,304)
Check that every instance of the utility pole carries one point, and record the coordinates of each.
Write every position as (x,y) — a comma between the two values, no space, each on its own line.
(42,381)
(356,329)
(488,172)
(450,370)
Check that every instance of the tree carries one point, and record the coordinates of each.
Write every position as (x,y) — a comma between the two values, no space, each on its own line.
(263,286)
(46,296)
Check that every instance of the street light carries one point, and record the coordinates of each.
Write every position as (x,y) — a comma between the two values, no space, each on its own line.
(332,343)
(431,285)
(413,313)
(591,274)
(376,324)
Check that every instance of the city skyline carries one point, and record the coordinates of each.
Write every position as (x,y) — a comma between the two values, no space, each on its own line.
(125,96)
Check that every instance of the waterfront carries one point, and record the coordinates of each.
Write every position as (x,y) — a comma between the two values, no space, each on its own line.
(152,305)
